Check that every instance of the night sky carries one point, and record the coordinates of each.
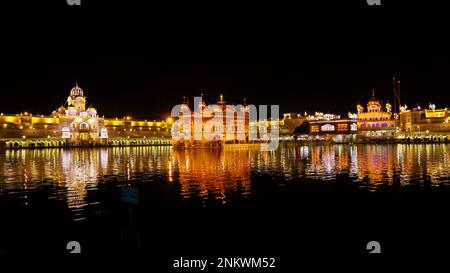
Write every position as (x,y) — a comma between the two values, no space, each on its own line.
(141,60)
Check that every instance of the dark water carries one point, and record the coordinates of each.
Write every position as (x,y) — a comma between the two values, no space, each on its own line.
(318,199)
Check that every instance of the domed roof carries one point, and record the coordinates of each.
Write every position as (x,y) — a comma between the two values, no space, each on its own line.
(373,100)
(61,109)
(76,91)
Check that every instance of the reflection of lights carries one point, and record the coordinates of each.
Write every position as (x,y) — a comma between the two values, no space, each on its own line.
(213,174)
(170,172)
(304,152)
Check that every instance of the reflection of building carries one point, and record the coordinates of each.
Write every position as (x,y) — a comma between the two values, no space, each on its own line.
(214,174)
(74,124)
(425,124)
(376,123)
(333,127)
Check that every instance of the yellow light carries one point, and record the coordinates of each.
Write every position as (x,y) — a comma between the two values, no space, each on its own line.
(169,119)
(23,136)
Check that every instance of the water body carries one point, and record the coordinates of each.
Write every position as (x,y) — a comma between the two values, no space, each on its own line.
(315,198)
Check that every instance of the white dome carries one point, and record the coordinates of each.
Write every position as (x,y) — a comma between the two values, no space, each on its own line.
(76,91)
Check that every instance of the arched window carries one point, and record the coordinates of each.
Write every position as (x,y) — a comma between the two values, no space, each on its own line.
(84,126)
(104,133)
(327,127)
(65,132)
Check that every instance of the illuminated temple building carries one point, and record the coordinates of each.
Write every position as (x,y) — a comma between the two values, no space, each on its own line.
(376,122)
(424,124)
(78,125)
(217,124)
(204,127)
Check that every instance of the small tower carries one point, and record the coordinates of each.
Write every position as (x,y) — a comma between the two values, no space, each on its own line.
(184,105)
(373,105)
(221,102)
(201,104)
(359,108)
(388,107)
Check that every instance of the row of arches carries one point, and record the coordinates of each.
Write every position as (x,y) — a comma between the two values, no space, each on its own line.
(435,138)
(138,142)
(55,143)
(42,143)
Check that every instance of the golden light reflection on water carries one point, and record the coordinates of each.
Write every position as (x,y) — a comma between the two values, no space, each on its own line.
(206,173)
(216,174)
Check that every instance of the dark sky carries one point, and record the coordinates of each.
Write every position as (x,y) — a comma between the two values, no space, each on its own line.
(140,60)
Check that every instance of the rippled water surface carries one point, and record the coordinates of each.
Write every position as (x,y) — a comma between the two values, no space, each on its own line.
(302,197)
(69,174)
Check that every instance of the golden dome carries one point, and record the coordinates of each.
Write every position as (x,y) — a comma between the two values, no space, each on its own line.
(374,101)
(61,109)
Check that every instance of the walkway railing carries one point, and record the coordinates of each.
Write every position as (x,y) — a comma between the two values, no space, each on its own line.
(34,143)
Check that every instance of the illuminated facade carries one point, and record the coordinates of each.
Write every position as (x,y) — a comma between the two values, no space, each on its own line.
(333,127)
(78,124)
(290,122)
(425,124)
(376,122)
(218,124)
(211,125)
(75,125)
